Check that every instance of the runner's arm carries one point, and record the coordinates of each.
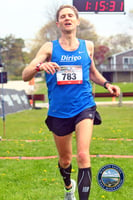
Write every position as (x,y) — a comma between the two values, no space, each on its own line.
(42,56)
(97,77)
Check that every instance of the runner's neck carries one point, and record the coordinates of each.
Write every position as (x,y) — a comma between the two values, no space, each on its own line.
(69,44)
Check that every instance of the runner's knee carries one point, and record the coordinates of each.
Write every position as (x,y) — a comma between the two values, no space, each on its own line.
(83,157)
(65,162)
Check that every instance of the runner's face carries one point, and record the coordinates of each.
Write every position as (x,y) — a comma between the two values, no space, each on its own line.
(67,20)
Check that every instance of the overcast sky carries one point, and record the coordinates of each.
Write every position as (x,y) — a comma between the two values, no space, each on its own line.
(24,18)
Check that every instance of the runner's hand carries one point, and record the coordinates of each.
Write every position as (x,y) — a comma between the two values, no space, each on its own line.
(49,67)
(113,89)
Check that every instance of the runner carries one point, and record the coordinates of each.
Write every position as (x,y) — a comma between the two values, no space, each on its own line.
(69,67)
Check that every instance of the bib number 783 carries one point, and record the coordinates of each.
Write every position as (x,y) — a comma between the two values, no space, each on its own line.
(69,75)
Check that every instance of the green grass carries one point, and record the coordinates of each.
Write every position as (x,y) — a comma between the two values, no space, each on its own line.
(124,86)
(40,179)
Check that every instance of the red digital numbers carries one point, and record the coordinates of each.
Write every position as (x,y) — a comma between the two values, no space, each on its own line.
(96,5)
(122,6)
(88,6)
(102,6)
(105,6)
(112,6)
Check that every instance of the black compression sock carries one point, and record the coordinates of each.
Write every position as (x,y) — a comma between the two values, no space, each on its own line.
(66,173)
(84,183)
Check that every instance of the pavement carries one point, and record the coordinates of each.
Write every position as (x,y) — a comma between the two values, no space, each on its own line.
(102,103)
(113,103)
(17,85)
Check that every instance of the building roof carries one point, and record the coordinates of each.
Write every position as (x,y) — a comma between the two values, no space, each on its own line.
(123,52)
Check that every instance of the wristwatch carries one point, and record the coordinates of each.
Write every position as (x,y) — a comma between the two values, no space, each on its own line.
(38,67)
(106,83)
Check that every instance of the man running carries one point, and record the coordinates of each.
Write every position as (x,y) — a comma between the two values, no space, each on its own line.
(68,65)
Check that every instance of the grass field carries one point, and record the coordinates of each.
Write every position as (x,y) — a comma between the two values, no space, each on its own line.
(40,179)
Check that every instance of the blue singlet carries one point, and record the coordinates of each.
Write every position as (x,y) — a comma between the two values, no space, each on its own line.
(68,100)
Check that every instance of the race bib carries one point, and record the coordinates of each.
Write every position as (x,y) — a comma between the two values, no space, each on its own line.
(70,74)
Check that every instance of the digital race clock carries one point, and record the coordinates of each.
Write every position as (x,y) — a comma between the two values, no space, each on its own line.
(99,5)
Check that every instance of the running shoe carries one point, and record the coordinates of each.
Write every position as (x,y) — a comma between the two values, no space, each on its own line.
(69,195)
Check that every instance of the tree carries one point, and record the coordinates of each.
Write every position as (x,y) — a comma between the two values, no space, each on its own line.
(12,54)
(119,43)
(100,54)
(115,44)
(86,31)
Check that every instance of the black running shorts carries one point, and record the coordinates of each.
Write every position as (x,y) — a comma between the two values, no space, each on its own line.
(65,126)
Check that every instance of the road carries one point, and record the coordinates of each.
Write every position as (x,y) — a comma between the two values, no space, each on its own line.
(17,85)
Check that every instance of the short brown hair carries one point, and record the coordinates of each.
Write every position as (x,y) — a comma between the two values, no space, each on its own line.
(67,6)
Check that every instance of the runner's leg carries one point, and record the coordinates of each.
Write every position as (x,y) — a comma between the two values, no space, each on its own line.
(83,135)
(64,147)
